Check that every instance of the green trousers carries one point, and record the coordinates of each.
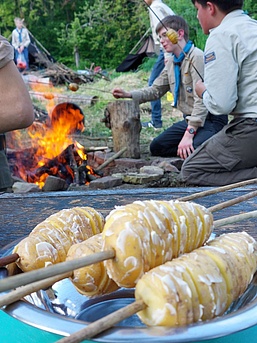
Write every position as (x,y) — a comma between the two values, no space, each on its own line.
(227,157)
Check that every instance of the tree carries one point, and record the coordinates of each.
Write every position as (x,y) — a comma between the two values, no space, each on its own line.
(102,31)
(250,6)
(42,18)
(110,30)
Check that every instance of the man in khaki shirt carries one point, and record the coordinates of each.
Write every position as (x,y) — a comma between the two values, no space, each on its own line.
(229,86)
(16,110)
(183,137)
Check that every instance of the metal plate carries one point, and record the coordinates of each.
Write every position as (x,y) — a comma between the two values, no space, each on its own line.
(62,310)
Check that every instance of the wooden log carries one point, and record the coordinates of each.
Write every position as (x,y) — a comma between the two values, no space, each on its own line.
(112,158)
(85,99)
(125,125)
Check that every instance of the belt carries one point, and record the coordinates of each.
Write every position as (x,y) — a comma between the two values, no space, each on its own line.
(2,141)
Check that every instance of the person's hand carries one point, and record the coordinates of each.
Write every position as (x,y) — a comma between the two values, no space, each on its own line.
(200,88)
(185,147)
(21,48)
(120,93)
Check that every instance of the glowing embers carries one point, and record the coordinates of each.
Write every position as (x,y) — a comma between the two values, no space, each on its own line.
(53,151)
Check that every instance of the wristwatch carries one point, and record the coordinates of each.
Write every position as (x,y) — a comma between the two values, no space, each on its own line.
(191,130)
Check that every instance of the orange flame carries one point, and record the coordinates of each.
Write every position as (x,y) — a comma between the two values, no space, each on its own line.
(50,139)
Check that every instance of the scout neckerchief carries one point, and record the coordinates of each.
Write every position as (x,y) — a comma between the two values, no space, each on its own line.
(177,65)
(19,33)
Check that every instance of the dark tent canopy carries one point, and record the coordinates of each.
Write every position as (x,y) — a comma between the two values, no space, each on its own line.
(39,57)
(134,60)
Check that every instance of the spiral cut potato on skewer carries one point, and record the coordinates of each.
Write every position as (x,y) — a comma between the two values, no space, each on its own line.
(49,242)
(172,35)
(200,285)
(146,234)
(91,280)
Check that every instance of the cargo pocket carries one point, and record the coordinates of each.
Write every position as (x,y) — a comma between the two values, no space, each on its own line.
(221,155)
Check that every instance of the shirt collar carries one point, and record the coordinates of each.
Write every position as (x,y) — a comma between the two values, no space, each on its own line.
(233,14)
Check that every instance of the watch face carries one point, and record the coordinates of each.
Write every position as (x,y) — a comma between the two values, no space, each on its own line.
(192,131)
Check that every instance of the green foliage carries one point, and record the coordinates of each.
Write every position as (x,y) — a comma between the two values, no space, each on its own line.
(147,64)
(250,6)
(186,9)
(110,29)
(102,31)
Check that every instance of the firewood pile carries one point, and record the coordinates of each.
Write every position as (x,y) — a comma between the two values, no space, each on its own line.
(60,74)
(41,115)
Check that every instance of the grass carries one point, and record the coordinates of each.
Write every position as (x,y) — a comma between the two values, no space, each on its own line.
(102,88)
(96,133)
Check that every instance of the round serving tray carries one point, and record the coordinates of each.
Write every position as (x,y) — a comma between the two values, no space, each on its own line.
(62,310)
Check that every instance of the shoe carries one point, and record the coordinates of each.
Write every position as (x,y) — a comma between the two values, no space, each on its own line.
(6,190)
(149,124)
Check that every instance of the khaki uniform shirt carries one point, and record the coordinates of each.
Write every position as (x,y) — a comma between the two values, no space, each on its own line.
(231,67)
(188,102)
(6,52)
(6,55)
(24,36)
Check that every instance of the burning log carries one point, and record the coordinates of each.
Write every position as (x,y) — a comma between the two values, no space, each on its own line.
(58,166)
(68,166)
(74,164)
(53,150)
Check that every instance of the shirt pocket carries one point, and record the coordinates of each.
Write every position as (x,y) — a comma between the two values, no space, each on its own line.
(187,83)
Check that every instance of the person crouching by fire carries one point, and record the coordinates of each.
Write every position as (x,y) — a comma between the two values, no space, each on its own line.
(16,110)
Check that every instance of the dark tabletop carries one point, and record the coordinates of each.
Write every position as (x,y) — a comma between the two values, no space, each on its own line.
(20,213)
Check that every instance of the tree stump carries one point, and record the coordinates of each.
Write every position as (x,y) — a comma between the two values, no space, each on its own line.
(124,119)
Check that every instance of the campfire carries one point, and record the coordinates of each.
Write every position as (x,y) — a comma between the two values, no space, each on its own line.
(53,151)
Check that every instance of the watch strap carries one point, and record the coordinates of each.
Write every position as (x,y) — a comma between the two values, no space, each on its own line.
(191,131)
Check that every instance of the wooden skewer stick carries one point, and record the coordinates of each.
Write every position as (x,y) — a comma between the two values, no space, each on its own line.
(110,320)
(51,96)
(98,90)
(232,202)
(53,270)
(63,267)
(35,286)
(21,292)
(4,261)
(104,323)
(112,158)
(217,190)
(14,257)
(235,219)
